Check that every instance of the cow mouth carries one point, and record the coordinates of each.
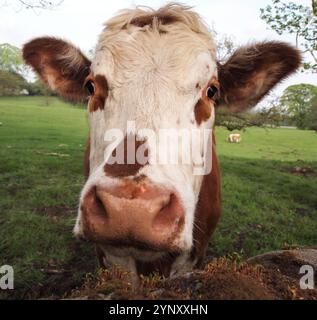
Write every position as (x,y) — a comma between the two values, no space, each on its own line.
(127,243)
(137,250)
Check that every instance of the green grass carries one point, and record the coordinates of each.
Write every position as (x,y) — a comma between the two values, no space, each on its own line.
(265,206)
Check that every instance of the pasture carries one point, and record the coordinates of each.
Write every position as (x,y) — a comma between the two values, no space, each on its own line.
(267,204)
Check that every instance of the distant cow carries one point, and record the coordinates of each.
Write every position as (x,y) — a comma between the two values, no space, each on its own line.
(154,71)
(234,137)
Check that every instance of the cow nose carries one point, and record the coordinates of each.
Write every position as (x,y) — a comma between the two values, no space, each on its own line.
(134,213)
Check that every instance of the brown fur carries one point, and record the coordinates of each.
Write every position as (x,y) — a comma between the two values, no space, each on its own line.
(208,209)
(252,71)
(204,106)
(97,100)
(149,20)
(60,65)
(126,169)
(202,110)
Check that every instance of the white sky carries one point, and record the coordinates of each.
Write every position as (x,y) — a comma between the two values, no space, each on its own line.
(82,21)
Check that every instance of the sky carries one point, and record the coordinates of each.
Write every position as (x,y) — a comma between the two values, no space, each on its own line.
(82,21)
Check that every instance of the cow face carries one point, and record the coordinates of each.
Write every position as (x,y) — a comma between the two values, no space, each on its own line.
(153,73)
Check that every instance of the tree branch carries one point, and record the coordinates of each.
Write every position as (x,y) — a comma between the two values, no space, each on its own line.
(40,4)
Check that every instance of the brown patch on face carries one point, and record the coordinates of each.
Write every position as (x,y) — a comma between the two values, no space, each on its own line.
(127,168)
(149,19)
(208,209)
(60,65)
(204,105)
(202,110)
(97,100)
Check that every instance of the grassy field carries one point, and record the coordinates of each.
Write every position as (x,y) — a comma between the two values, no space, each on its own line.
(265,205)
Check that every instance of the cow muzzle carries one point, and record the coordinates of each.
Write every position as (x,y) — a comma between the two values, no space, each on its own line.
(133,214)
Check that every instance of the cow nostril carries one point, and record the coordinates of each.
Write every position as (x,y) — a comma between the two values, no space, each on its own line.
(101,207)
(170,215)
(166,202)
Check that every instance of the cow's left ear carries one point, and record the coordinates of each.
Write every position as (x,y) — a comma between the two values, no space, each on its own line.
(252,71)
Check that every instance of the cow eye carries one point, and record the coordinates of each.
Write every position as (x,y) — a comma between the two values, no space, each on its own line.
(90,87)
(211,92)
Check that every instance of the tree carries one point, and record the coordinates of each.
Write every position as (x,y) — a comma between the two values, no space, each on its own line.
(35,4)
(300,102)
(298,20)
(12,83)
(11,60)
(13,73)
(313,115)
(225,46)
(273,115)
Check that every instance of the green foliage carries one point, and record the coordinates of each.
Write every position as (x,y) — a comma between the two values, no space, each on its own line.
(294,18)
(313,115)
(314,4)
(11,59)
(13,72)
(11,83)
(38,88)
(272,116)
(300,101)
(230,120)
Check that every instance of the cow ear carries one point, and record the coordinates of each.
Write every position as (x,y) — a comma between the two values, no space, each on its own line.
(60,65)
(252,71)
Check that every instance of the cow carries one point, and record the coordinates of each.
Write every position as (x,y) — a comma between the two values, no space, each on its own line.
(154,69)
(234,137)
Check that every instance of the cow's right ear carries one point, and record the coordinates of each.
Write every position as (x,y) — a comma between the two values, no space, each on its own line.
(252,71)
(62,66)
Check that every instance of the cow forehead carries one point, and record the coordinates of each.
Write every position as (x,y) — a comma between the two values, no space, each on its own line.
(145,71)
(178,54)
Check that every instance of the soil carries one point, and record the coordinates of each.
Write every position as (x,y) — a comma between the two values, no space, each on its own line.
(222,278)
(304,171)
(56,212)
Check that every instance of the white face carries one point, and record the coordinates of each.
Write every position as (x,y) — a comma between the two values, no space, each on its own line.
(156,81)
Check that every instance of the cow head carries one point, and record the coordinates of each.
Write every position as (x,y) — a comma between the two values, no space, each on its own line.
(152,71)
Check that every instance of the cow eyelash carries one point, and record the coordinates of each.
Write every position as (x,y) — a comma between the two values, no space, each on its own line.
(90,87)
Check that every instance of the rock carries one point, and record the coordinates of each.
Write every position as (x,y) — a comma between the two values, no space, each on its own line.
(288,262)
